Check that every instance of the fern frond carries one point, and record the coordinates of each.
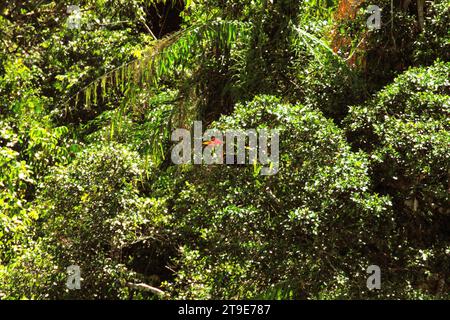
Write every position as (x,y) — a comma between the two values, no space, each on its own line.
(159,59)
(283,290)
(318,46)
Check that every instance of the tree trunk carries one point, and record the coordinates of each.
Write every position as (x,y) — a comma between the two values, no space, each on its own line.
(420,13)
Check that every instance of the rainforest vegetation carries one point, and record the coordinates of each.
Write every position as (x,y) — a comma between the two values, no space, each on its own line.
(89,99)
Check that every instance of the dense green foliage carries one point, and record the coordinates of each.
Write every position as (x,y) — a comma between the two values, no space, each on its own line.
(86,176)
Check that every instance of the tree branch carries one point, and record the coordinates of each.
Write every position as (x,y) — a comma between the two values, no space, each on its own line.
(146,287)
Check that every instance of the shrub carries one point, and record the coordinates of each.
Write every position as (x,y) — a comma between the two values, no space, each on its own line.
(246,234)
(405,130)
(92,214)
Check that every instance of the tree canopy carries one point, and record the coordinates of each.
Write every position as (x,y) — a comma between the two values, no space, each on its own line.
(89,98)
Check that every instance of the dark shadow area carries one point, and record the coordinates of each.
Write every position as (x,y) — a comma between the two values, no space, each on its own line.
(164,18)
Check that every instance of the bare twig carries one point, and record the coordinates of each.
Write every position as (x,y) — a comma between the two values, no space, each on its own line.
(145,287)
(149,30)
